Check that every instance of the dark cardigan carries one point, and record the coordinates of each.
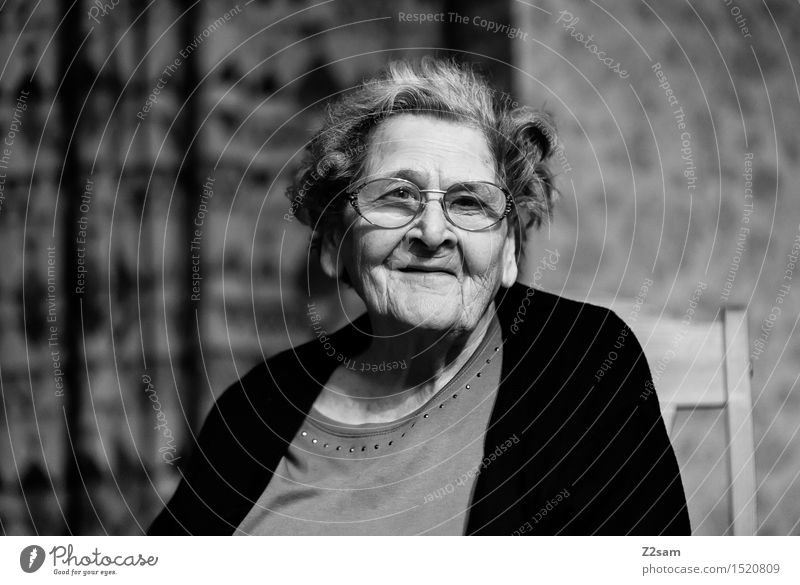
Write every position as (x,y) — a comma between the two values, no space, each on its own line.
(593,457)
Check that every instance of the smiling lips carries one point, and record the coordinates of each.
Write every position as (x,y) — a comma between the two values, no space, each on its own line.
(427,269)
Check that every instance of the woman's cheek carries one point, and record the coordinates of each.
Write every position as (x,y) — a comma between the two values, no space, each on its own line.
(374,277)
(483,259)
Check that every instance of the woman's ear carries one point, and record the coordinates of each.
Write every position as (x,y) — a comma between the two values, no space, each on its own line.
(329,254)
(509,261)
(537,136)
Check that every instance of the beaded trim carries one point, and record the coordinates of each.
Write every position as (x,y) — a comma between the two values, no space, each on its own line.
(376,446)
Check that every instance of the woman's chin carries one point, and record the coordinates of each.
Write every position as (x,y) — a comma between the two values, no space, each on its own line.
(439,316)
(411,306)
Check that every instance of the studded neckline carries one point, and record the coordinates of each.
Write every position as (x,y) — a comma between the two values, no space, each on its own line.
(322,434)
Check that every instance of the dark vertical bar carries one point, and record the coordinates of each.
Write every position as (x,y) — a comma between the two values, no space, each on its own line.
(467,41)
(73,91)
(189,187)
(135,174)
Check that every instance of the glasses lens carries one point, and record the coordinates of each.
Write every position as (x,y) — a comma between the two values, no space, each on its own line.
(388,203)
(475,206)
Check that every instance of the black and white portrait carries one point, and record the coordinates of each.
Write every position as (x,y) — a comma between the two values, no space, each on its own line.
(399,268)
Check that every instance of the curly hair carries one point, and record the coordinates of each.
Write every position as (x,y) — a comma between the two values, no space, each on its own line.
(520,139)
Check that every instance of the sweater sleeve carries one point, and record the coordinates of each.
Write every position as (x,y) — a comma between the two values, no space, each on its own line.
(625,470)
(223,476)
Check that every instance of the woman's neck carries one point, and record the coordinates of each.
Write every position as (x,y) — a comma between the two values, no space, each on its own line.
(398,373)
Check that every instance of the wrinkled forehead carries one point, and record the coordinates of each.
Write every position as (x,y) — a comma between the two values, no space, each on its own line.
(429,150)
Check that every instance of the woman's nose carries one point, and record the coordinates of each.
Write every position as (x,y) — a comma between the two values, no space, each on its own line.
(432,226)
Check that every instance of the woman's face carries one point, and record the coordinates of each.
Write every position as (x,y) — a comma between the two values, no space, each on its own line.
(430,273)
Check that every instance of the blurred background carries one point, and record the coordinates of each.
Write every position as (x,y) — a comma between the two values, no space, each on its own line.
(150,257)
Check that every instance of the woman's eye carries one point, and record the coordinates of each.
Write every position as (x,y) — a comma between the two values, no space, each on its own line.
(466,203)
(398,194)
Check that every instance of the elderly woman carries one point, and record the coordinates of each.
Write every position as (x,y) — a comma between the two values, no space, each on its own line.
(461,402)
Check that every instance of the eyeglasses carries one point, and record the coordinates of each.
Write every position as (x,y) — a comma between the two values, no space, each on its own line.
(393,203)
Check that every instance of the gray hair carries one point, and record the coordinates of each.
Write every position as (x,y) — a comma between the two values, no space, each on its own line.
(520,139)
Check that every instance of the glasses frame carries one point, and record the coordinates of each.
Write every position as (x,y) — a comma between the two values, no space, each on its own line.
(352,197)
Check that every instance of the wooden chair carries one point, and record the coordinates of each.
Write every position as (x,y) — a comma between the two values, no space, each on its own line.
(705,365)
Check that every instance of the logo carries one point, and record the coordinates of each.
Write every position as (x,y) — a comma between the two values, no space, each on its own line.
(31,558)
